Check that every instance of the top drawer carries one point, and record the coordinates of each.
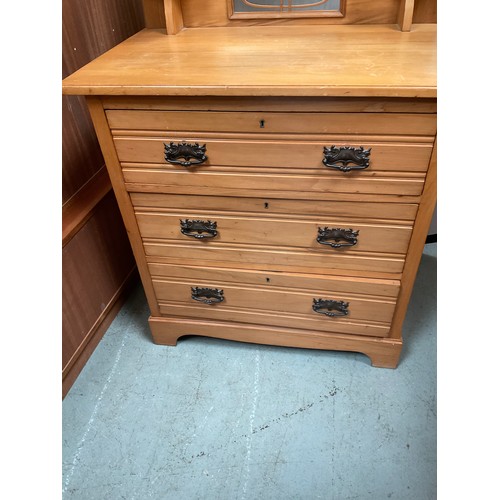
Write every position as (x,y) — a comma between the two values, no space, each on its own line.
(272,122)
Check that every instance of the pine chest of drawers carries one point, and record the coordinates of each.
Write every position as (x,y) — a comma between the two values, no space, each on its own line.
(272,216)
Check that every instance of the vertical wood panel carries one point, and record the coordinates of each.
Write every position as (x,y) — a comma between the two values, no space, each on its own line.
(425,11)
(173,16)
(154,14)
(98,261)
(90,28)
(95,263)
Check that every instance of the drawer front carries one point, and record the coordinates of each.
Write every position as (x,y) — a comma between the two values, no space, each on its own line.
(289,155)
(268,122)
(341,235)
(244,298)
(273,206)
(269,318)
(328,304)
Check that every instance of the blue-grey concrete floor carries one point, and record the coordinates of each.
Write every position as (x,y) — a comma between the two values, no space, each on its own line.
(213,419)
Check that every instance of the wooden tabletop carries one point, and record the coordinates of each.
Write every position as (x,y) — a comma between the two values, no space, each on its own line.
(356,60)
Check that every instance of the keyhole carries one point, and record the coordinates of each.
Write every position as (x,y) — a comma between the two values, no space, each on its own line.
(266,205)
(268,279)
(262,124)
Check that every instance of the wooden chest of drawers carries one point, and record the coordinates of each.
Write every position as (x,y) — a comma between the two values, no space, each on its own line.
(294,221)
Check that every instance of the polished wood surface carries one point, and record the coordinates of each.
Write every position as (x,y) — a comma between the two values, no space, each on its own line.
(148,63)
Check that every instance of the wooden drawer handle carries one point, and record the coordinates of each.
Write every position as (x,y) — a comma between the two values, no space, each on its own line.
(207,295)
(193,154)
(346,158)
(325,234)
(199,229)
(331,308)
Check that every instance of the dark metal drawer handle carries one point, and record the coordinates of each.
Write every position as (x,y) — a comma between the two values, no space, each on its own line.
(199,228)
(207,295)
(330,308)
(325,234)
(346,158)
(193,154)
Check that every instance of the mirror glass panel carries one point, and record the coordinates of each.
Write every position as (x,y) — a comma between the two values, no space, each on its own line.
(287,6)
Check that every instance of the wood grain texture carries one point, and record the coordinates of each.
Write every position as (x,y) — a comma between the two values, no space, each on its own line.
(243,229)
(405,14)
(90,281)
(124,203)
(88,30)
(215,182)
(154,14)
(272,104)
(283,154)
(91,340)
(173,16)
(198,13)
(97,260)
(425,11)
(269,319)
(80,207)
(382,352)
(245,297)
(274,257)
(148,63)
(271,279)
(420,231)
(272,206)
(264,123)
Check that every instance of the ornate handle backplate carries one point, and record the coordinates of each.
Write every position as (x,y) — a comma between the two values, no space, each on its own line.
(207,295)
(334,236)
(346,158)
(198,229)
(331,308)
(193,154)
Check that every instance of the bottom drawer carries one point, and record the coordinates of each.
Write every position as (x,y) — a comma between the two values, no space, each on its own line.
(330,304)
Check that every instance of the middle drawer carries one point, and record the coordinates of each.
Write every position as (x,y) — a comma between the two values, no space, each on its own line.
(326,235)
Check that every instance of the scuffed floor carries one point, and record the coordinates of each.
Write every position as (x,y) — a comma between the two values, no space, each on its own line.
(214,419)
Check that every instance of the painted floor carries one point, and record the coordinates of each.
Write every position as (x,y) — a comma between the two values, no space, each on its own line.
(213,419)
